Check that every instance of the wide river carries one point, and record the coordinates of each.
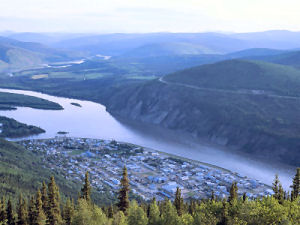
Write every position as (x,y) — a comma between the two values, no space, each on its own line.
(93,121)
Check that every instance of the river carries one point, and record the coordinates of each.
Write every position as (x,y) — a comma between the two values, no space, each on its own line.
(91,120)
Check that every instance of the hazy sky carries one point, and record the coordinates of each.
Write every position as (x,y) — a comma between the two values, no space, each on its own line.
(149,15)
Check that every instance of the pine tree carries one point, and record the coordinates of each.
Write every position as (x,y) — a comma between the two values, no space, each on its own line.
(212,197)
(119,219)
(110,212)
(178,202)
(244,196)
(224,214)
(68,212)
(31,211)
(22,212)
(44,197)
(169,214)
(233,192)
(136,215)
(3,210)
(154,214)
(86,189)
(39,216)
(280,194)
(53,209)
(192,207)
(276,187)
(124,192)
(296,185)
(9,214)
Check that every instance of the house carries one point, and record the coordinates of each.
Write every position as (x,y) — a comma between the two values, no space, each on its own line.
(171,187)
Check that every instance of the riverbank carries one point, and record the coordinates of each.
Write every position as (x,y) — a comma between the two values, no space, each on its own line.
(151,173)
(93,121)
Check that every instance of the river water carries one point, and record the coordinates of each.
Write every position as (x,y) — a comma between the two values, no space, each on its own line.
(91,120)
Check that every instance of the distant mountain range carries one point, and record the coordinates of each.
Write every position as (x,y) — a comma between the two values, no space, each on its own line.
(151,51)
(118,44)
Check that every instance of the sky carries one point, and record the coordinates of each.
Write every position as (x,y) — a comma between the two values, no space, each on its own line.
(141,16)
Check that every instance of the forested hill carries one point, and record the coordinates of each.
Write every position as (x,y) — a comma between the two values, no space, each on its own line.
(46,207)
(239,75)
(246,105)
(22,172)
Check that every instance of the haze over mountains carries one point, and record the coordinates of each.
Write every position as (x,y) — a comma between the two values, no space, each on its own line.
(16,54)
(151,51)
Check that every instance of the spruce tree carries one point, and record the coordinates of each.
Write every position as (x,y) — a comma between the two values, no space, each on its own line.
(212,197)
(86,189)
(68,212)
(9,214)
(169,214)
(280,194)
(22,212)
(44,197)
(296,185)
(233,192)
(124,192)
(224,214)
(244,196)
(110,212)
(154,214)
(136,215)
(53,209)
(178,202)
(3,210)
(31,211)
(192,207)
(39,215)
(276,187)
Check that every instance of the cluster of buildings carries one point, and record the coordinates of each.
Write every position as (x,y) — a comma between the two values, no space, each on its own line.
(151,173)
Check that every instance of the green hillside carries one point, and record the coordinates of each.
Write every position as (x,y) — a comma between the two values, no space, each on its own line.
(23,172)
(211,103)
(291,59)
(241,75)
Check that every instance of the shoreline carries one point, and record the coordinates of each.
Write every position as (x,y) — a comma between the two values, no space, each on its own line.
(149,150)
(167,141)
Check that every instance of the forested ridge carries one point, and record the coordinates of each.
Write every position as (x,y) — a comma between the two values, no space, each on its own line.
(46,207)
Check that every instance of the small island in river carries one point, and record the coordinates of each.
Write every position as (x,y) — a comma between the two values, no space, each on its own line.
(62,132)
(76,104)
(10,128)
(9,101)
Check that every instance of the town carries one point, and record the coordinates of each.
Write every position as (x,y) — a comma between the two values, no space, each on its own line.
(151,173)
